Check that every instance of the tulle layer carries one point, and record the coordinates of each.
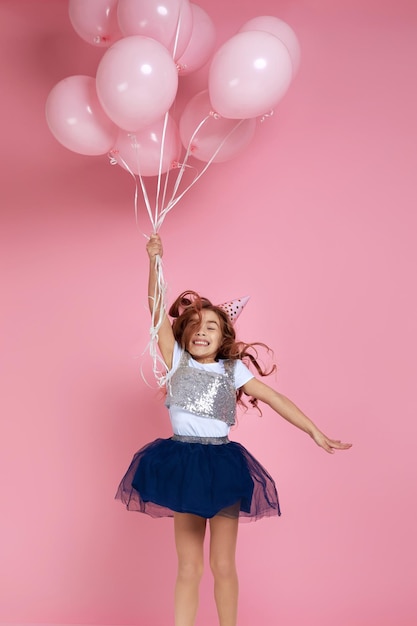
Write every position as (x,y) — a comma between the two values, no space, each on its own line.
(168,476)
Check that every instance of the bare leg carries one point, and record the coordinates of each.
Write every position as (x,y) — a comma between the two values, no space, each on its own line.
(223,531)
(189,541)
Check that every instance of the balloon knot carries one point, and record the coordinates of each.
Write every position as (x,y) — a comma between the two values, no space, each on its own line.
(112,158)
(215,115)
(99,39)
(133,140)
(266,115)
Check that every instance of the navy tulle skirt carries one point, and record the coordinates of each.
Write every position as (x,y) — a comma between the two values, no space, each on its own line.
(186,476)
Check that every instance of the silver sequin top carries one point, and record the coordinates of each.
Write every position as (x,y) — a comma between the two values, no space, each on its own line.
(203,393)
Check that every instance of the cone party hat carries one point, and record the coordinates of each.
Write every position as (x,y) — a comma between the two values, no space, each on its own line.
(234,308)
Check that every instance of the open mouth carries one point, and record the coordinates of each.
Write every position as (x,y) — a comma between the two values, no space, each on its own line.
(200,342)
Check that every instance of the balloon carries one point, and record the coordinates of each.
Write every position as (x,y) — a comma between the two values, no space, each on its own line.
(213,132)
(249,74)
(137,82)
(141,151)
(280,29)
(76,119)
(95,21)
(201,44)
(168,21)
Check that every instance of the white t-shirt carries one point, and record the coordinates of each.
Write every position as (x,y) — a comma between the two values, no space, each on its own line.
(190,425)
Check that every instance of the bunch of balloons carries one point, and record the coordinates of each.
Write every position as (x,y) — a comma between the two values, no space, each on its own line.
(125,110)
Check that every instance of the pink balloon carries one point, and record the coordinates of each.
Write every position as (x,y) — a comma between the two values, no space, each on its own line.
(168,21)
(249,74)
(76,119)
(231,135)
(141,151)
(201,45)
(137,82)
(95,21)
(280,29)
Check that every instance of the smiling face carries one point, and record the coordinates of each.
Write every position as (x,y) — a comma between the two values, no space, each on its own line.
(206,340)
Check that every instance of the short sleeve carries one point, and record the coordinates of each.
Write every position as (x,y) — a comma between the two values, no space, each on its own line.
(176,357)
(242,374)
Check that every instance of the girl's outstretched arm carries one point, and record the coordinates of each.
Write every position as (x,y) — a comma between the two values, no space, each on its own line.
(166,339)
(289,411)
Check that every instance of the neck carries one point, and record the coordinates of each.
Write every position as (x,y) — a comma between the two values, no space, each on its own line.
(203,359)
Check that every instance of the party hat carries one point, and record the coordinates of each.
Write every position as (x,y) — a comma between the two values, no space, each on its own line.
(234,308)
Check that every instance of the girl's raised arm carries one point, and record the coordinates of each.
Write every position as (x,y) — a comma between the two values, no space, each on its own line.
(166,339)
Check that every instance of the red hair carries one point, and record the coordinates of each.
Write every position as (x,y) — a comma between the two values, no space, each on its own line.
(186,311)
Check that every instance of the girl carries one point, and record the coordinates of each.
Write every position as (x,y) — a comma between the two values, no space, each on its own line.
(198,474)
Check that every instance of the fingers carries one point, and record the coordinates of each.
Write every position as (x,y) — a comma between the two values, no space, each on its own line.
(154,246)
(327,447)
(331,445)
(338,445)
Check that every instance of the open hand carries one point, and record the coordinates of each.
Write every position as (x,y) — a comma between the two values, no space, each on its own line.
(329,445)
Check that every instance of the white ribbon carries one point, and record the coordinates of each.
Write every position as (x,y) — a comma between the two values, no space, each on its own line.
(157,216)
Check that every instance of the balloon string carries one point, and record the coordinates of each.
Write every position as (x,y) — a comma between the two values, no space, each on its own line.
(161,156)
(180,174)
(114,161)
(152,218)
(165,189)
(186,157)
(156,218)
(177,31)
(159,367)
(174,200)
(158,309)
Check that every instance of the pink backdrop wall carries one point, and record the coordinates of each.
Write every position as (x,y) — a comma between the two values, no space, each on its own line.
(317,222)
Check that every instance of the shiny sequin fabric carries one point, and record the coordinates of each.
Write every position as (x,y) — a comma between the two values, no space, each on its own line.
(203,393)
(207,441)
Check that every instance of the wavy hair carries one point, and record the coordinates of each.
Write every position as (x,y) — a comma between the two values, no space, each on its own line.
(186,311)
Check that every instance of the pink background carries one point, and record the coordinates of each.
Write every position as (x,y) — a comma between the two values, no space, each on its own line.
(316,220)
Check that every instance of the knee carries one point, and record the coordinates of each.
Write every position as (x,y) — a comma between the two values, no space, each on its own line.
(223,568)
(190,571)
